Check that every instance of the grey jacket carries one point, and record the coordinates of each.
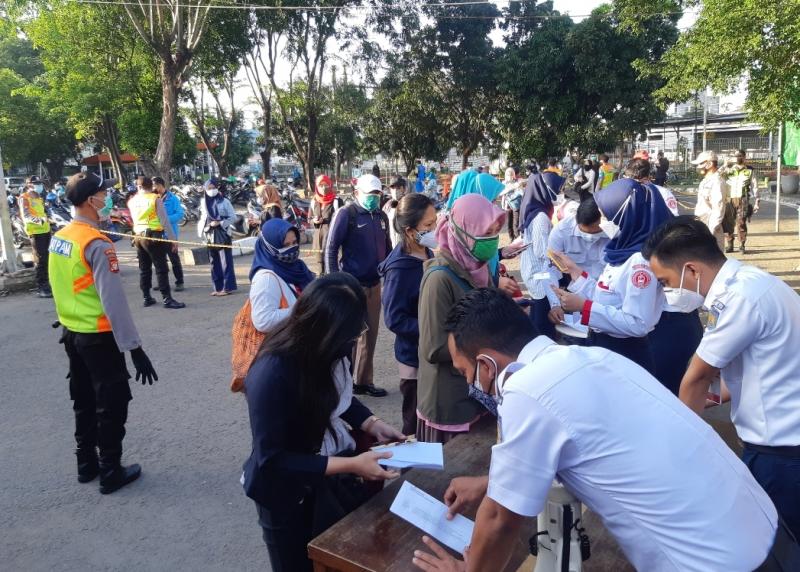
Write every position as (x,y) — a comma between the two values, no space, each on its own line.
(226,213)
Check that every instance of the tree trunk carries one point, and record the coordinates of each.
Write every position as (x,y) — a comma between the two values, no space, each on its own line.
(170,86)
(338,170)
(110,131)
(55,168)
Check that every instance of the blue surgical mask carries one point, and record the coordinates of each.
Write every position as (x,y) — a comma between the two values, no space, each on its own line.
(38,188)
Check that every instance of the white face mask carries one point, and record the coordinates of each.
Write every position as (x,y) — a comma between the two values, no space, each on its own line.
(610,227)
(427,239)
(590,237)
(684,300)
(212,192)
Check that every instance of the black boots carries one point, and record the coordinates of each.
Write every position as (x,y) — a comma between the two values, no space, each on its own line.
(115,477)
(88,468)
(148,301)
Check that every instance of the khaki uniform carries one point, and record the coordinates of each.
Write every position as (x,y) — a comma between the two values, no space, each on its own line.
(743,189)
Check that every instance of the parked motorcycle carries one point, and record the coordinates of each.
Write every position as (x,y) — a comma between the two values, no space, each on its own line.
(297,209)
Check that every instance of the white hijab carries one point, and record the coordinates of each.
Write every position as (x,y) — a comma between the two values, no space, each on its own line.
(344,387)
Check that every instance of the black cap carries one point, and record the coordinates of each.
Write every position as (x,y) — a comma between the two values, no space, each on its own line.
(83,185)
(34,180)
(397,182)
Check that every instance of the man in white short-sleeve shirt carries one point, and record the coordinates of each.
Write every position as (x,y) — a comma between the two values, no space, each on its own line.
(666,486)
(752,340)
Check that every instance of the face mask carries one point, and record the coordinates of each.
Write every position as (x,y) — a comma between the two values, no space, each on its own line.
(684,300)
(485,247)
(477,392)
(427,239)
(284,254)
(370,202)
(611,229)
(38,188)
(105,211)
(397,194)
(212,192)
(589,237)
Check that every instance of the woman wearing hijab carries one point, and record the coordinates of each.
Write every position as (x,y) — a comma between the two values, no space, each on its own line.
(625,304)
(277,276)
(323,206)
(537,271)
(216,217)
(467,239)
(303,472)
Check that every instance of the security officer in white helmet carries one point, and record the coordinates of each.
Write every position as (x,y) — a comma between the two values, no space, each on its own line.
(752,340)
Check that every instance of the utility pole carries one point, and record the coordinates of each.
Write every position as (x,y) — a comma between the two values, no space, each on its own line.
(705,116)
(7,235)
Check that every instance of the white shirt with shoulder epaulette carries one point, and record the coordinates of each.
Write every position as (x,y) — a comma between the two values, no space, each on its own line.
(667,487)
(753,336)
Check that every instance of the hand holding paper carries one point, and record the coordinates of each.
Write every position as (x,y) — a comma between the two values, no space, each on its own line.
(413,454)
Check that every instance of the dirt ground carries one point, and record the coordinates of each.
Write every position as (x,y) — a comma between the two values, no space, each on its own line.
(191,435)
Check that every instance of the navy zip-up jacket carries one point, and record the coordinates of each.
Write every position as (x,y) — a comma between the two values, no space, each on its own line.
(402,275)
(364,243)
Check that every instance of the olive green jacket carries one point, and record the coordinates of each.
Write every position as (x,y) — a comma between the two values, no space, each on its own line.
(442,392)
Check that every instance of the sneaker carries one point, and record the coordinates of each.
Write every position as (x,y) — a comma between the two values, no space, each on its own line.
(149,301)
(179,286)
(173,304)
(370,390)
(44,293)
(118,477)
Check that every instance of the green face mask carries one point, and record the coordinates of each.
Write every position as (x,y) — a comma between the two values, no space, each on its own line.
(371,202)
(484,247)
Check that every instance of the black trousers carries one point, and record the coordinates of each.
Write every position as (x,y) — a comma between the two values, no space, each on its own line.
(539,311)
(100,392)
(177,267)
(287,535)
(674,341)
(153,253)
(408,389)
(41,243)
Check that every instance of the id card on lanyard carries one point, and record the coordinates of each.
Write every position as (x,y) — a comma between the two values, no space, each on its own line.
(504,375)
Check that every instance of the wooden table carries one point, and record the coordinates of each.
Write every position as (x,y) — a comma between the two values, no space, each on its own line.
(371,539)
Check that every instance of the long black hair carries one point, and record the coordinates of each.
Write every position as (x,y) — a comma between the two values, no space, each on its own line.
(322,328)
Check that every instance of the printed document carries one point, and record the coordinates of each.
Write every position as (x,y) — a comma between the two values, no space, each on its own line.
(425,512)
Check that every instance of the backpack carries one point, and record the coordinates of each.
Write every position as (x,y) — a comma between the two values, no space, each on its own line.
(246,341)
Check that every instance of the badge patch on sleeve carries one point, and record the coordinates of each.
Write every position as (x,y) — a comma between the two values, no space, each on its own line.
(641,279)
(113,263)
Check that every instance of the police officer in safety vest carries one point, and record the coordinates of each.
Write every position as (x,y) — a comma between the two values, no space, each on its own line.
(98,328)
(743,192)
(150,221)
(31,209)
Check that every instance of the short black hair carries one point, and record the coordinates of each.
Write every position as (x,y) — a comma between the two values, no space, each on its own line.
(637,169)
(159,181)
(681,239)
(602,157)
(489,318)
(146,183)
(587,213)
(552,162)
(741,152)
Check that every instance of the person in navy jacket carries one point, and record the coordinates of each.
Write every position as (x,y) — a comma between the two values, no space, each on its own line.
(415,223)
(361,232)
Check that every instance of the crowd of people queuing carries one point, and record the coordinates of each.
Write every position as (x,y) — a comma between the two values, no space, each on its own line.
(614,416)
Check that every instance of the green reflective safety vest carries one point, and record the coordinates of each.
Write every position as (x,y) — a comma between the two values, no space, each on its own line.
(143,212)
(32,205)
(78,304)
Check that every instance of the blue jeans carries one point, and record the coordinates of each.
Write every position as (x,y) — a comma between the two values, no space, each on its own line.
(779,475)
(222,274)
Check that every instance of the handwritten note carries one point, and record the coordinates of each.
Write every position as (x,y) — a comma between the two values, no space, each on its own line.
(428,514)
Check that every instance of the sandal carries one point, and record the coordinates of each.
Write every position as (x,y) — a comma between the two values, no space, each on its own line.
(223,293)
(215,293)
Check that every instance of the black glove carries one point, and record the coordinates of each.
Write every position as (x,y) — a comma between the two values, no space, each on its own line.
(144,368)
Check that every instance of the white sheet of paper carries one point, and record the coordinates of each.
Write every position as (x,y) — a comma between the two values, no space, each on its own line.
(419,455)
(571,326)
(425,512)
